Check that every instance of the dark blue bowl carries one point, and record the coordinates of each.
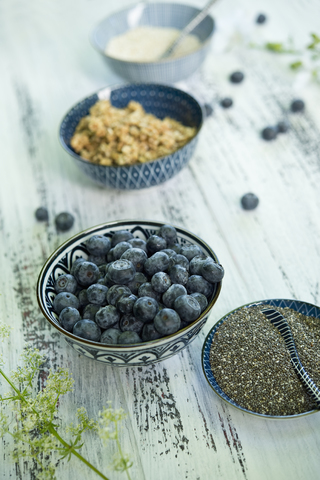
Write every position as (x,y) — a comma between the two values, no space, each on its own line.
(160,100)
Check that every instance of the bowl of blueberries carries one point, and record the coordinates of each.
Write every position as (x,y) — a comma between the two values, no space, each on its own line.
(130,292)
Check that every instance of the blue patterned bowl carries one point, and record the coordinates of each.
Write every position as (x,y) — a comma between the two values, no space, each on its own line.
(160,100)
(140,354)
(299,306)
(171,15)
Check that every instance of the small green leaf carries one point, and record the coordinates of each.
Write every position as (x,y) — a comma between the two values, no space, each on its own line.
(296,65)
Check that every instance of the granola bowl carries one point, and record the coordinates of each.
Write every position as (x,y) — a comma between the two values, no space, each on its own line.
(161,101)
(154,14)
(263,381)
(137,354)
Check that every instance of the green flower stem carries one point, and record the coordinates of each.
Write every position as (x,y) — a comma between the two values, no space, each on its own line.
(74,452)
(11,385)
(120,449)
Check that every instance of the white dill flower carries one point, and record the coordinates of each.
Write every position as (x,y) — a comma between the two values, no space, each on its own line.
(5,330)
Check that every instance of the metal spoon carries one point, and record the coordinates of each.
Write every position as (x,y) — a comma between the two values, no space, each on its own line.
(187,29)
(282,325)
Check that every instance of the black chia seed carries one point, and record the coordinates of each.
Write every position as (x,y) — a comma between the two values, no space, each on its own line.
(252,366)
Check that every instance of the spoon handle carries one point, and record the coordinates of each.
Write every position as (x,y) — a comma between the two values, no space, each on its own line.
(283,327)
(188,28)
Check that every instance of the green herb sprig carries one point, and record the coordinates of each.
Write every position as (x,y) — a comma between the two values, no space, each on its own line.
(31,418)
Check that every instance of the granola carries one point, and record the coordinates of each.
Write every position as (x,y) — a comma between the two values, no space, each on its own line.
(125,136)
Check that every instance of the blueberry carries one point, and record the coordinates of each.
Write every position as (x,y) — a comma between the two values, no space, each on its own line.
(155,243)
(97,259)
(169,233)
(145,309)
(138,243)
(172,293)
(110,257)
(64,221)
(97,294)
(86,273)
(226,102)
(128,337)
(146,290)
(137,256)
(249,201)
(107,316)
(178,274)
(66,283)
(115,292)
(138,279)
(297,106)
(190,251)
(176,247)
(261,18)
(181,260)
(126,302)
(90,310)
(83,298)
(158,262)
(197,283)
(208,109)
(110,336)
(63,300)
(212,271)
(68,317)
(203,302)
(160,282)
(75,264)
(129,323)
(167,321)
(41,214)
(121,272)
(87,329)
(196,264)
(121,236)
(171,253)
(187,307)
(283,126)
(236,77)
(149,332)
(269,133)
(98,245)
(120,248)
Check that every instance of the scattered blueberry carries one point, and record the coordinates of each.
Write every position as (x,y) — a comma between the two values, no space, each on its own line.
(226,102)
(64,221)
(269,133)
(87,329)
(261,18)
(208,109)
(41,214)
(297,106)
(236,77)
(167,321)
(249,201)
(283,126)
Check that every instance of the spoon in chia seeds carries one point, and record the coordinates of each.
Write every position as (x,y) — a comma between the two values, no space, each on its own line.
(187,29)
(283,327)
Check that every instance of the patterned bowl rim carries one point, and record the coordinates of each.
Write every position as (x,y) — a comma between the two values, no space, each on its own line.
(112,88)
(109,225)
(206,363)
(155,62)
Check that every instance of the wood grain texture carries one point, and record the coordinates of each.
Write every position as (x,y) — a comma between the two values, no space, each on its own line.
(176,428)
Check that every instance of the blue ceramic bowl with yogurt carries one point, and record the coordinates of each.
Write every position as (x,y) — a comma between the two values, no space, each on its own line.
(169,15)
(160,100)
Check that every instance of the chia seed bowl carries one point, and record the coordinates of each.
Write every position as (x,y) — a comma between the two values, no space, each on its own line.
(246,363)
(138,354)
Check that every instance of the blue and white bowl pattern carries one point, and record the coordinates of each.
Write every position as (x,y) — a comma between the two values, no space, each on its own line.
(299,306)
(171,15)
(146,353)
(161,101)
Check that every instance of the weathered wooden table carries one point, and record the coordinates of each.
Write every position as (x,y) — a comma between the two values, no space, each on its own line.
(177,428)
